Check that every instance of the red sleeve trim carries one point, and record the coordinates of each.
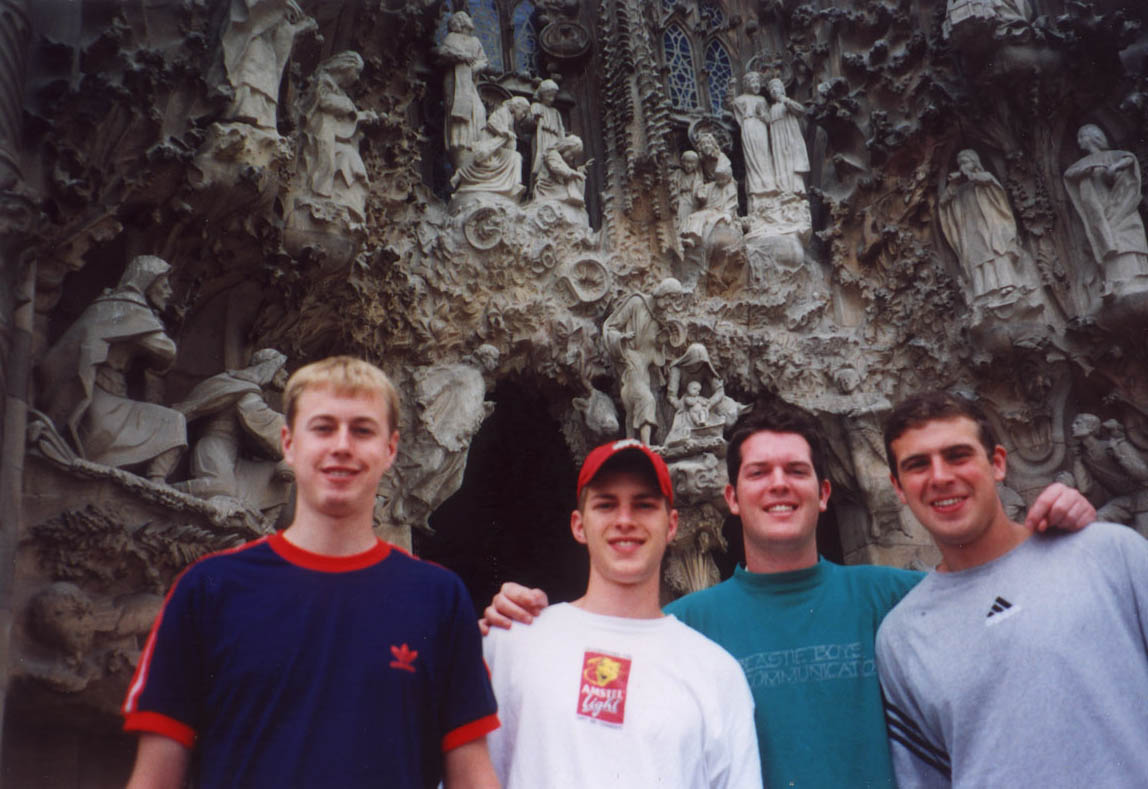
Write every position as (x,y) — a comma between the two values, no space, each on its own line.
(292,553)
(155,723)
(470,732)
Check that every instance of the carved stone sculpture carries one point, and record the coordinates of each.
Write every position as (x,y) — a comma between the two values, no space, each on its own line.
(979,225)
(599,413)
(461,52)
(786,143)
(333,169)
(562,181)
(699,417)
(631,337)
(549,129)
(717,204)
(686,183)
(452,405)
(257,43)
(1104,188)
(713,158)
(232,412)
(496,167)
(1110,471)
(751,111)
(84,377)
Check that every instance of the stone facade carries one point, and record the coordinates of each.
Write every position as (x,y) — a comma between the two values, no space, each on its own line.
(875,196)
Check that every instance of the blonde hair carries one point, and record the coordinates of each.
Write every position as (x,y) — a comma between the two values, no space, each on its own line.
(347,376)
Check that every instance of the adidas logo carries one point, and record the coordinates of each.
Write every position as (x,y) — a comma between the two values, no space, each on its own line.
(1001,609)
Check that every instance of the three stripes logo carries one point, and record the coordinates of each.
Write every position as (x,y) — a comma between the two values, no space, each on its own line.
(1001,609)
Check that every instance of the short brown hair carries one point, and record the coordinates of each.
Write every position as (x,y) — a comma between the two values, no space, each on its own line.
(931,406)
(775,416)
(346,375)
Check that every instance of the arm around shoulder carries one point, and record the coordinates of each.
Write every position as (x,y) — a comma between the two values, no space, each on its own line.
(161,763)
(468,767)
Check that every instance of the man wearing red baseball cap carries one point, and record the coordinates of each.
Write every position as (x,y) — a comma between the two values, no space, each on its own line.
(607,690)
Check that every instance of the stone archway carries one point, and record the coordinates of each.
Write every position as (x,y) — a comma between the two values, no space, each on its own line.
(510,520)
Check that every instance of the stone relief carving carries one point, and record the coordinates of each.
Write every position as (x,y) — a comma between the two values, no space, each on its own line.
(332,169)
(496,166)
(462,54)
(231,411)
(549,129)
(561,181)
(84,377)
(1110,470)
(687,181)
(751,110)
(786,143)
(979,225)
(257,43)
(699,418)
(631,336)
(1104,187)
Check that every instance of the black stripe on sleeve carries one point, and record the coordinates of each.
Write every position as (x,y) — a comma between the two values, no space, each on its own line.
(902,730)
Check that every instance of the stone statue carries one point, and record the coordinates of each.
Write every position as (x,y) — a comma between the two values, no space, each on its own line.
(549,129)
(786,144)
(599,413)
(452,405)
(1110,471)
(85,376)
(330,158)
(232,411)
(1104,188)
(979,225)
(257,43)
(751,111)
(496,166)
(698,416)
(713,158)
(686,183)
(462,53)
(631,337)
(560,179)
(717,204)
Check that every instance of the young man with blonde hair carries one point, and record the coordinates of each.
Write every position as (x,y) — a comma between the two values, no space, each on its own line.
(319,656)
(608,691)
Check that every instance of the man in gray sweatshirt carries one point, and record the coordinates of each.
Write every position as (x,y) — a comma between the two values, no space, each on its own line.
(1021,660)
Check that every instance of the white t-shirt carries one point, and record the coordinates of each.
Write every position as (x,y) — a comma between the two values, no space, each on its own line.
(588,700)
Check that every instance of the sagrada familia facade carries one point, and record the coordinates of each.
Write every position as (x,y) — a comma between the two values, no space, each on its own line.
(552,223)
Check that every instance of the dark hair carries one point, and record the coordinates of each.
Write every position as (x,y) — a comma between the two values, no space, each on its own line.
(776,416)
(930,406)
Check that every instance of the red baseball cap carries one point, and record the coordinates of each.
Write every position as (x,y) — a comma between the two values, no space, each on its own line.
(595,460)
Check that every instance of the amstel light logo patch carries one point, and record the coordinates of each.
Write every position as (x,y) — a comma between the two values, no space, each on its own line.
(603,687)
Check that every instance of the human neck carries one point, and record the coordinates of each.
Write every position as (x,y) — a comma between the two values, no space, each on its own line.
(774,560)
(329,536)
(636,601)
(998,540)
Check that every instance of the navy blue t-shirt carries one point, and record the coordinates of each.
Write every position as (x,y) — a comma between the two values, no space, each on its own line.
(285,668)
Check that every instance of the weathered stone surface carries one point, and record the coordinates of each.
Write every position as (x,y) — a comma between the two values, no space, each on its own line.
(292,163)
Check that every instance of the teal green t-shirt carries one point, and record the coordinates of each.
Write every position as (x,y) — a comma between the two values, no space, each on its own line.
(805,640)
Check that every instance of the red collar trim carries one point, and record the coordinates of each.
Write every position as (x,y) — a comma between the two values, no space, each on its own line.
(327,564)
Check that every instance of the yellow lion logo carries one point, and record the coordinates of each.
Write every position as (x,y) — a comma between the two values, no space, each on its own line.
(601,671)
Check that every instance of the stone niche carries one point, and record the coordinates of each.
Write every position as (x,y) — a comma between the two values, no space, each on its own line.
(553,228)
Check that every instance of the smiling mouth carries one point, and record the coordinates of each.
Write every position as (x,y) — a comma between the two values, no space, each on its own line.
(339,472)
(781,508)
(947,504)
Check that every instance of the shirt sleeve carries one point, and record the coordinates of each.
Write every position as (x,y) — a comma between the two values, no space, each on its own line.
(734,761)
(469,710)
(919,755)
(164,693)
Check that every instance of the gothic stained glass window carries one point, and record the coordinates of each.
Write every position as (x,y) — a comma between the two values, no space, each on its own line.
(719,71)
(680,62)
(525,39)
(712,14)
(484,14)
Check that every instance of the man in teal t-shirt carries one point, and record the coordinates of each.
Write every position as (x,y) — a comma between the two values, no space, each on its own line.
(802,628)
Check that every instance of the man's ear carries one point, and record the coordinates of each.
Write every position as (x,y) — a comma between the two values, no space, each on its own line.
(286,444)
(823,495)
(897,488)
(731,500)
(576,527)
(673,526)
(999,460)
